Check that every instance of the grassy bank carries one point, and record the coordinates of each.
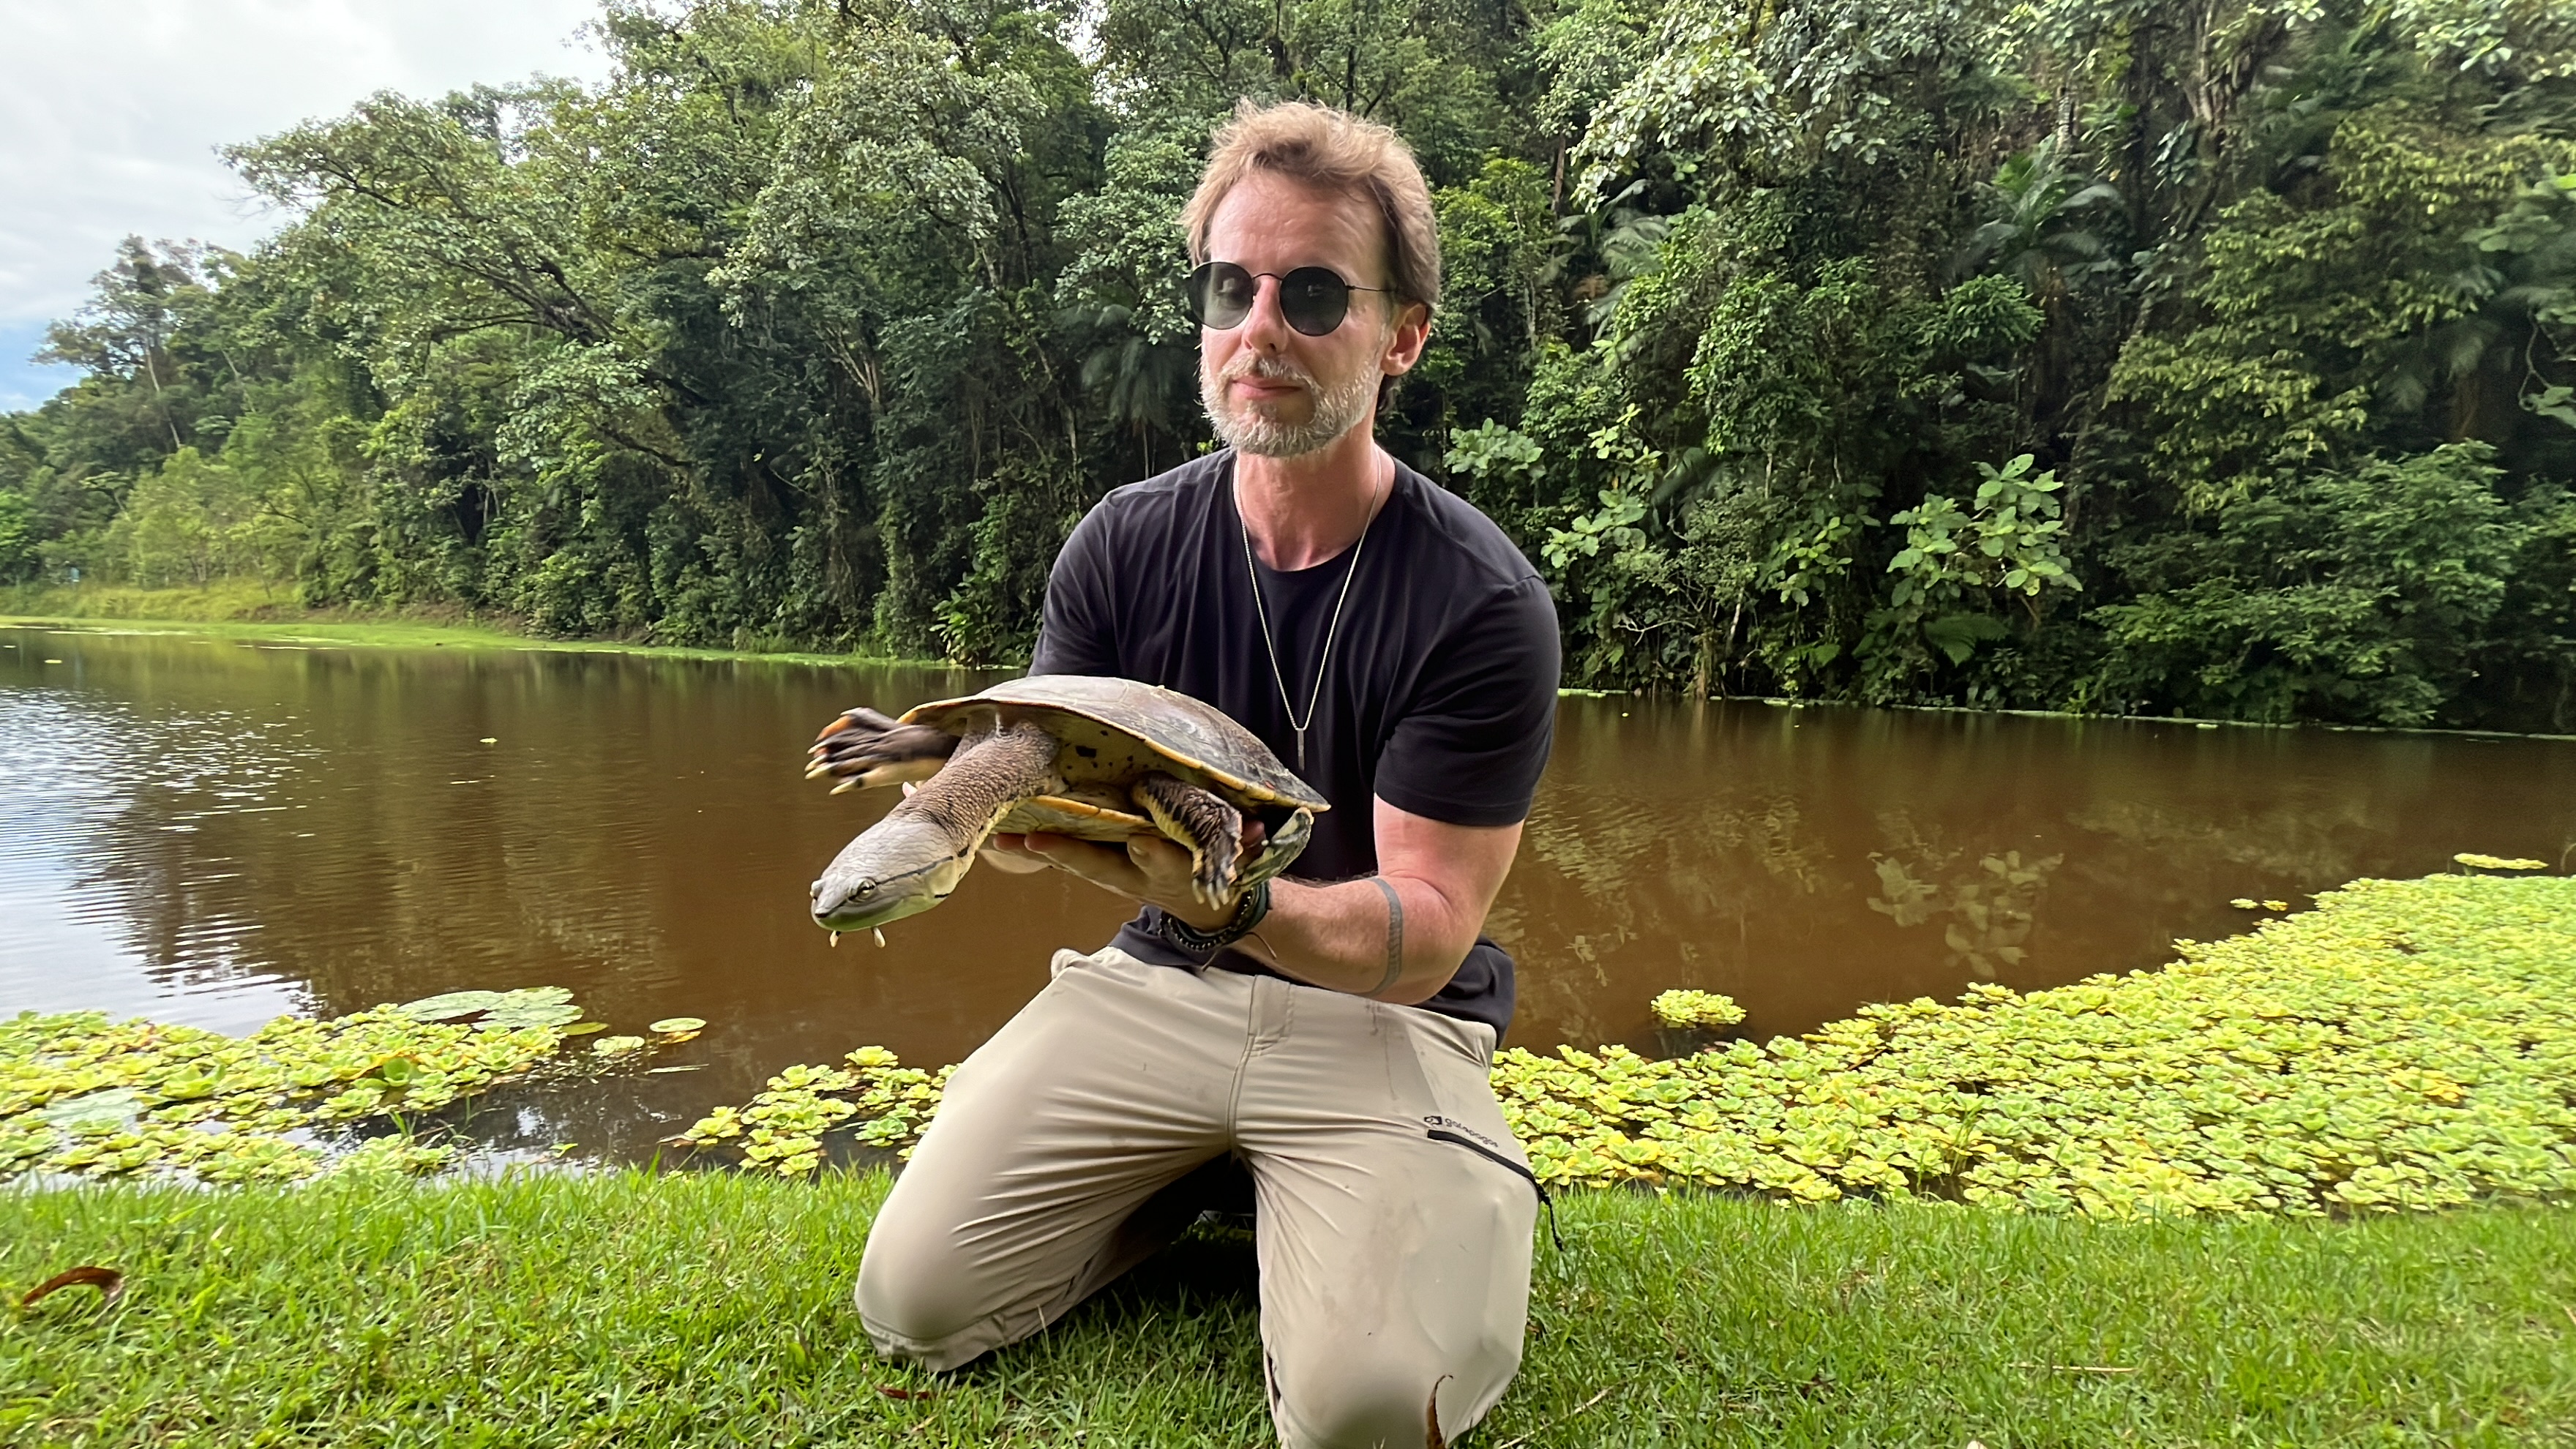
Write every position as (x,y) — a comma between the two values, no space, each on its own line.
(714,1309)
(249,612)
(224,601)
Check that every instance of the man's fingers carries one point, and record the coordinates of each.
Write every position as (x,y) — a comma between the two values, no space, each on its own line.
(1083,857)
(1005,853)
(1143,867)
(1154,855)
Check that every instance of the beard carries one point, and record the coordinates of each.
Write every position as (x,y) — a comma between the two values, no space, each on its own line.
(1333,411)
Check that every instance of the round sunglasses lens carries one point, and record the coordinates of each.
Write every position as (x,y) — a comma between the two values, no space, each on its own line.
(1314,300)
(1221,295)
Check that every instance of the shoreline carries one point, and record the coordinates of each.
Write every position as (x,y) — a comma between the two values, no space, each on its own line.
(230,616)
(339,630)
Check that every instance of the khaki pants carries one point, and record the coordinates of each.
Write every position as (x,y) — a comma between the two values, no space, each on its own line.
(1394,1262)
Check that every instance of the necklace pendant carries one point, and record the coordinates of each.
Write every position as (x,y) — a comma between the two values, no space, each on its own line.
(1301,750)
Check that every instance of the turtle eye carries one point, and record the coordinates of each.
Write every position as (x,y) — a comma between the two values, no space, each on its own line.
(866,888)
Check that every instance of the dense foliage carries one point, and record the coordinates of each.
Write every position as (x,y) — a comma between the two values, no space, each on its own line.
(2204,357)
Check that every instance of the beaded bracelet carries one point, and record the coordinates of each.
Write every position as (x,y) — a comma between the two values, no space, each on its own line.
(1248,912)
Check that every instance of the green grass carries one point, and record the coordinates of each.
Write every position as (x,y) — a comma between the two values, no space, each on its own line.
(630,1310)
(248,611)
(225,599)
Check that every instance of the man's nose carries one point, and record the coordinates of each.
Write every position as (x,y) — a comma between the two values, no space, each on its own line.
(1265,328)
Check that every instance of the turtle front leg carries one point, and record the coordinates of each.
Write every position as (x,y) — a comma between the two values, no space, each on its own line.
(1202,820)
(863,749)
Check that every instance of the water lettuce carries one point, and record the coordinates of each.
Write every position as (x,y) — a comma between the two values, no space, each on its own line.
(2404,1045)
(82,1094)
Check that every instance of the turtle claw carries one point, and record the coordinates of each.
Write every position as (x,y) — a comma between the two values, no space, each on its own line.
(1213,883)
(858,717)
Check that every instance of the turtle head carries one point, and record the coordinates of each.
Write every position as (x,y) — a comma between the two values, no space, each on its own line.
(901,866)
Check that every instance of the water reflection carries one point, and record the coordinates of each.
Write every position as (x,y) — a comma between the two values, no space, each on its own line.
(214,832)
(1807,860)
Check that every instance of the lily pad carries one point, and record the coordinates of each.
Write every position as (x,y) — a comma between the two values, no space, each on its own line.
(451,1005)
(98,1111)
(553,1016)
(532,1006)
(671,1024)
(612,1046)
(585,1028)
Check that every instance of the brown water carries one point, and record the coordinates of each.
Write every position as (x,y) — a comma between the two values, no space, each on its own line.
(215,832)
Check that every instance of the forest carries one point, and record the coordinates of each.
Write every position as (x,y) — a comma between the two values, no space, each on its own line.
(2199,357)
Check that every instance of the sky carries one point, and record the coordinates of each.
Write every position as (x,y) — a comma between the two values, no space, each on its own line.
(111,112)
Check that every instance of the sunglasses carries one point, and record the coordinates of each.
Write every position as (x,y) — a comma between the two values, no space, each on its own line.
(1314,300)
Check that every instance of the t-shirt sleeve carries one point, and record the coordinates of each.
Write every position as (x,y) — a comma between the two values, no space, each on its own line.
(1470,749)
(1077,629)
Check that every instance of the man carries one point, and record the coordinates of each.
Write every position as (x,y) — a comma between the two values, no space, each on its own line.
(1331,1033)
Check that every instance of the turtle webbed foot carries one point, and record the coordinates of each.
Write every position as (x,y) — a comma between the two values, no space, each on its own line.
(864,748)
(1207,824)
(1212,878)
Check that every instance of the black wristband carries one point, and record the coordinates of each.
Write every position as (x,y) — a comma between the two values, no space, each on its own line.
(1248,912)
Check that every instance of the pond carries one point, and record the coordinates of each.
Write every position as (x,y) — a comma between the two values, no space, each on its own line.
(216,831)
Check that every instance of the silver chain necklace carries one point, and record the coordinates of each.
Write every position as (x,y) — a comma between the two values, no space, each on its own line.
(1330,628)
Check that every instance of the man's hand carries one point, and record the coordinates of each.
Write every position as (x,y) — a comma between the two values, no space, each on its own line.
(1146,868)
(1396,936)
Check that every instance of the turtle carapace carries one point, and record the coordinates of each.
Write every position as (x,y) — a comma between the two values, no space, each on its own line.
(1054,754)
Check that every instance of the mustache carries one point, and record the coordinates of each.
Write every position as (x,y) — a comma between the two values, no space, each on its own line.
(1254,365)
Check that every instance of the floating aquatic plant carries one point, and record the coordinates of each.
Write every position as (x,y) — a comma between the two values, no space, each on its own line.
(544,1006)
(1704,1010)
(781,1130)
(2407,1044)
(82,1094)
(2475,861)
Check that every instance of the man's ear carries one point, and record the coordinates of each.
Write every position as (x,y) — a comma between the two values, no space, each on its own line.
(1404,345)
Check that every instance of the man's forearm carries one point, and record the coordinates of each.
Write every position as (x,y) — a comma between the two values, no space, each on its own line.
(1395,936)
(1390,938)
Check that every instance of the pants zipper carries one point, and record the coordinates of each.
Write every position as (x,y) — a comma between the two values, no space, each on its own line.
(1546,1201)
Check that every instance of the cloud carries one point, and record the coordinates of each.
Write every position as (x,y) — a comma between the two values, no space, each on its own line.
(113,110)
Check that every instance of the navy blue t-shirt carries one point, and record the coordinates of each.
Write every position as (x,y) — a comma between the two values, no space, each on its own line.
(1439,696)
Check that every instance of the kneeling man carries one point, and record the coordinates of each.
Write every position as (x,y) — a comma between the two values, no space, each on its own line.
(1331,1034)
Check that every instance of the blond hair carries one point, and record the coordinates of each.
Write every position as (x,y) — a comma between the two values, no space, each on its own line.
(1335,151)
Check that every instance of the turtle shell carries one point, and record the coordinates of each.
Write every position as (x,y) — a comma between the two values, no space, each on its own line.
(1114,730)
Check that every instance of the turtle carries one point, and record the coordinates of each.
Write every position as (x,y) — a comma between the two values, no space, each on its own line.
(1094,757)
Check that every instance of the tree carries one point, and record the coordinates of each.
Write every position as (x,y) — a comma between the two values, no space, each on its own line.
(136,306)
